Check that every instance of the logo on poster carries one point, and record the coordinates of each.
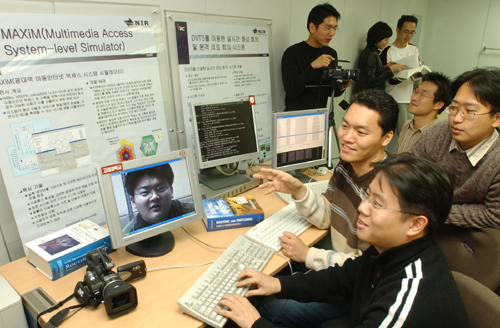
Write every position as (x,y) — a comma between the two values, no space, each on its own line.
(135,23)
(259,32)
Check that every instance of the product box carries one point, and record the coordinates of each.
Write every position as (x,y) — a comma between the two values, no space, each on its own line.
(231,212)
(64,251)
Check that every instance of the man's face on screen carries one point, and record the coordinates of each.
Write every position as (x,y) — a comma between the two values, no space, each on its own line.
(152,198)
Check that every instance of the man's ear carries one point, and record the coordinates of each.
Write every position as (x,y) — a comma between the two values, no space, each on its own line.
(496,122)
(312,27)
(438,105)
(387,138)
(418,225)
(132,200)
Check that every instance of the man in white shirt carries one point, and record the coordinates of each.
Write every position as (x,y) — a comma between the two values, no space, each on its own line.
(401,90)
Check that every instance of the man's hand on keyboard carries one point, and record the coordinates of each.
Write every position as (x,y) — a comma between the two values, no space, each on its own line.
(265,285)
(282,182)
(293,247)
(240,311)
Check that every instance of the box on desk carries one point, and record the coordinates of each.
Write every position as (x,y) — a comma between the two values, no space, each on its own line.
(231,212)
(64,251)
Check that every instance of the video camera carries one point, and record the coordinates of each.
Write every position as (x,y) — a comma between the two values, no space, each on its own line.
(338,76)
(102,285)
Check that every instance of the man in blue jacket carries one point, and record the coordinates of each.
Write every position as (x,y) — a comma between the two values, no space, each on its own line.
(402,280)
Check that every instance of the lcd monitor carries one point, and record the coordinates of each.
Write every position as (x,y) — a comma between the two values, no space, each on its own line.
(225,133)
(299,140)
(146,198)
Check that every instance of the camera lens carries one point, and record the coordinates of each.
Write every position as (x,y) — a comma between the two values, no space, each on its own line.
(120,300)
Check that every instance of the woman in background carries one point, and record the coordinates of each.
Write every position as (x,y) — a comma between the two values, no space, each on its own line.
(372,73)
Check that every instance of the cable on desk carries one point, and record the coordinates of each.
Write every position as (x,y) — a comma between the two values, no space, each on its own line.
(180,266)
(288,260)
(202,241)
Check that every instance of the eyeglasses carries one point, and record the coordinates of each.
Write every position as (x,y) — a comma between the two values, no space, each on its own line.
(465,113)
(422,93)
(147,193)
(406,32)
(329,29)
(374,205)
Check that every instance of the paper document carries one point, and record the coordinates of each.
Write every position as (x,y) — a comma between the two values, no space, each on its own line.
(408,72)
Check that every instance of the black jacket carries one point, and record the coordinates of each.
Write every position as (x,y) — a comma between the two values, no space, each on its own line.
(372,72)
(408,286)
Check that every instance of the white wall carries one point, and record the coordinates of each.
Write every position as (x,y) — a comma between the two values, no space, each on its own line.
(451,36)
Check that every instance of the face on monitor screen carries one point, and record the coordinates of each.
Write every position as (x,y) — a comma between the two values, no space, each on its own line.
(152,195)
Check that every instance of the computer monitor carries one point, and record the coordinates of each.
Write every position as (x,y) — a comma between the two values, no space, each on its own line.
(146,198)
(299,140)
(225,133)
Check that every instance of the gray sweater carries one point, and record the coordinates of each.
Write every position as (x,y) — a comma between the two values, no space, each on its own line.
(476,198)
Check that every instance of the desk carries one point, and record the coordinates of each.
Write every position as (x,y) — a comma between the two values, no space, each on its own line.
(159,291)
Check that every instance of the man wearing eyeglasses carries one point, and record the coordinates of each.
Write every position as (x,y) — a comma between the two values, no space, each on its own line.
(427,101)
(468,147)
(302,64)
(401,90)
(402,280)
(151,192)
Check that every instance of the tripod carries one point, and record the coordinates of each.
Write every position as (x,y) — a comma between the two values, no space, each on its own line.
(332,127)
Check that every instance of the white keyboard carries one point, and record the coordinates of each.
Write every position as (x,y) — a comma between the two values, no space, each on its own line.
(317,188)
(220,279)
(267,232)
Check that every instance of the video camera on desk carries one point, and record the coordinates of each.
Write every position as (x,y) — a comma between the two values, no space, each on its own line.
(101,285)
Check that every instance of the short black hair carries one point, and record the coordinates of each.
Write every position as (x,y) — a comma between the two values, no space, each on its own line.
(383,103)
(318,14)
(423,187)
(442,82)
(406,18)
(163,172)
(377,33)
(484,83)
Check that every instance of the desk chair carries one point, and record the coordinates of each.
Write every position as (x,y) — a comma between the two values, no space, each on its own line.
(473,252)
(482,304)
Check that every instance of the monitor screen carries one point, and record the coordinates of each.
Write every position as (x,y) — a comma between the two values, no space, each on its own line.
(299,139)
(225,133)
(146,198)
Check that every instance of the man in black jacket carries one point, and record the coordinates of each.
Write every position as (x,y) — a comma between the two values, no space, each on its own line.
(303,63)
(402,280)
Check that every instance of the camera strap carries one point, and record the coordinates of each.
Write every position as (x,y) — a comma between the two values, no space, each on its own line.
(58,317)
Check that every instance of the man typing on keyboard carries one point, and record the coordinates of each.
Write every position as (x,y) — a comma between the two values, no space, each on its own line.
(366,129)
(402,280)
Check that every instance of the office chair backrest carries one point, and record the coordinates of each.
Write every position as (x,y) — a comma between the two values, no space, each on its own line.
(482,304)
(473,252)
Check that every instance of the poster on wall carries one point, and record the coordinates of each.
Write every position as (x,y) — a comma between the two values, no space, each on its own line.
(225,62)
(76,93)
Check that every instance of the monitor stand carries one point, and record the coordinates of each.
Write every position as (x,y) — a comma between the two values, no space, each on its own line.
(215,180)
(154,246)
(301,176)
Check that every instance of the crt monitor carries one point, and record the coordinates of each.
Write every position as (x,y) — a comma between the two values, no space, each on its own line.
(299,140)
(146,198)
(225,133)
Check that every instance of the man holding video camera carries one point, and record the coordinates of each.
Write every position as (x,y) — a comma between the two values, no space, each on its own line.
(303,63)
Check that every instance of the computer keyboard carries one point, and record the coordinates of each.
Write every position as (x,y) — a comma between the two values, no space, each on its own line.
(318,188)
(267,232)
(220,279)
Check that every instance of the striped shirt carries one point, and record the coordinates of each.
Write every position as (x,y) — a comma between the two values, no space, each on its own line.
(409,135)
(474,154)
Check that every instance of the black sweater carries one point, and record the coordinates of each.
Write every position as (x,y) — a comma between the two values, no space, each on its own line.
(405,286)
(297,73)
